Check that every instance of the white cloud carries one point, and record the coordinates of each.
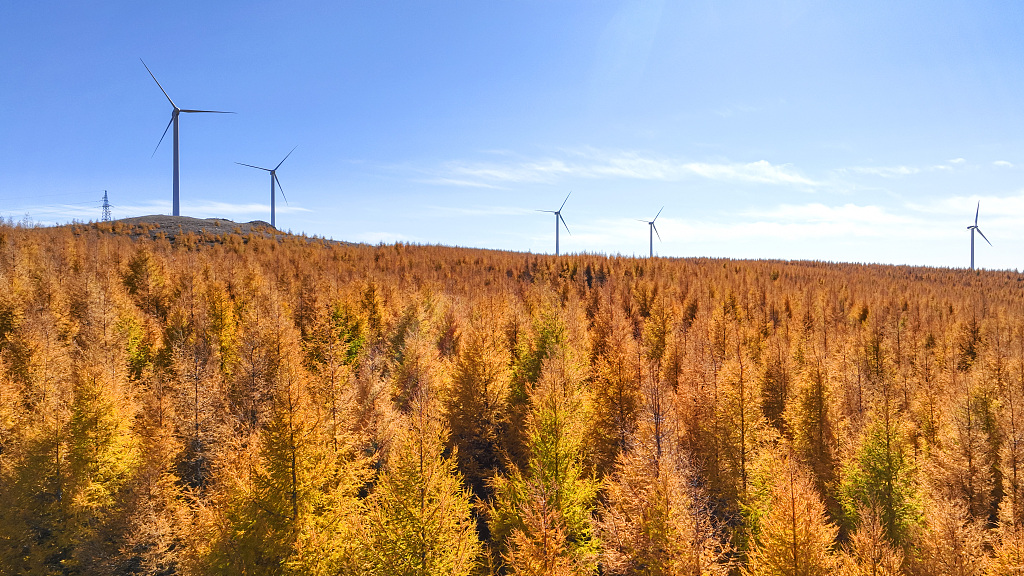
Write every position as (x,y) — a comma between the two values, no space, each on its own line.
(382,237)
(216,208)
(820,213)
(785,222)
(482,211)
(884,171)
(903,170)
(760,171)
(1003,164)
(594,164)
(69,212)
(1001,209)
(457,182)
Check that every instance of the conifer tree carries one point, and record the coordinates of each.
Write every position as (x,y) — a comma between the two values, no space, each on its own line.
(655,519)
(814,433)
(36,518)
(794,537)
(950,542)
(655,522)
(222,329)
(1012,453)
(531,347)
(1008,557)
(539,546)
(741,425)
(869,553)
(967,460)
(418,519)
(554,481)
(330,540)
(616,387)
(477,407)
(882,477)
(275,485)
(333,341)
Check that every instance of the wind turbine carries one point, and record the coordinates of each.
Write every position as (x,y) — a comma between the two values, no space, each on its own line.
(558,216)
(972,229)
(654,229)
(174,120)
(273,178)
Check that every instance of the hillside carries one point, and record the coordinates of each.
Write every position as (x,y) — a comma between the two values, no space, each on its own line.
(260,403)
(174,225)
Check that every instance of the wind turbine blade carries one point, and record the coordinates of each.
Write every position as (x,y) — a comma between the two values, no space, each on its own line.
(658,214)
(208,112)
(162,136)
(158,83)
(285,158)
(251,166)
(656,231)
(644,221)
(983,236)
(563,222)
(280,188)
(976,210)
(548,211)
(563,203)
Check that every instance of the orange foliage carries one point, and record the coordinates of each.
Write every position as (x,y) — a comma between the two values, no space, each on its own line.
(147,384)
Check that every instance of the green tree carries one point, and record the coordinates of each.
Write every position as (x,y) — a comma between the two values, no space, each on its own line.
(814,435)
(418,519)
(881,477)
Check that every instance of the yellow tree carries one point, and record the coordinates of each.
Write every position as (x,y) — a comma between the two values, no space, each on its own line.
(794,539)
(740,424)
(554,482)
(655,523)
(281,476)
(418,519)
(1008,548)
(476,406)
(616,386)
(868,552)
(950,542)
(654,519)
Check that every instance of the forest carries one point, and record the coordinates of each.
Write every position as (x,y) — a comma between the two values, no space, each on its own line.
(254,404)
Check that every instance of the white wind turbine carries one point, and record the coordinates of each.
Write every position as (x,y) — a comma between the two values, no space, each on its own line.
(973,229)
(175,112)
(558,216)
(654,229)
(273,179)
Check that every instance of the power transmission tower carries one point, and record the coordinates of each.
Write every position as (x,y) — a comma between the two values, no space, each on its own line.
(106,207)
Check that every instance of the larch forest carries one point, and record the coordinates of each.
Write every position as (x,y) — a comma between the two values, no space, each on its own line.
(262,404)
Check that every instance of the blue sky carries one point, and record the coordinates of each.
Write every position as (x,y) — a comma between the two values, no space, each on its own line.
(862,132)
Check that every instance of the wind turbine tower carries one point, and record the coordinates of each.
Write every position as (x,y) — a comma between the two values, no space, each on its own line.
(654,229)
(273,179)
(558,216)
(175,112)
(973,229)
